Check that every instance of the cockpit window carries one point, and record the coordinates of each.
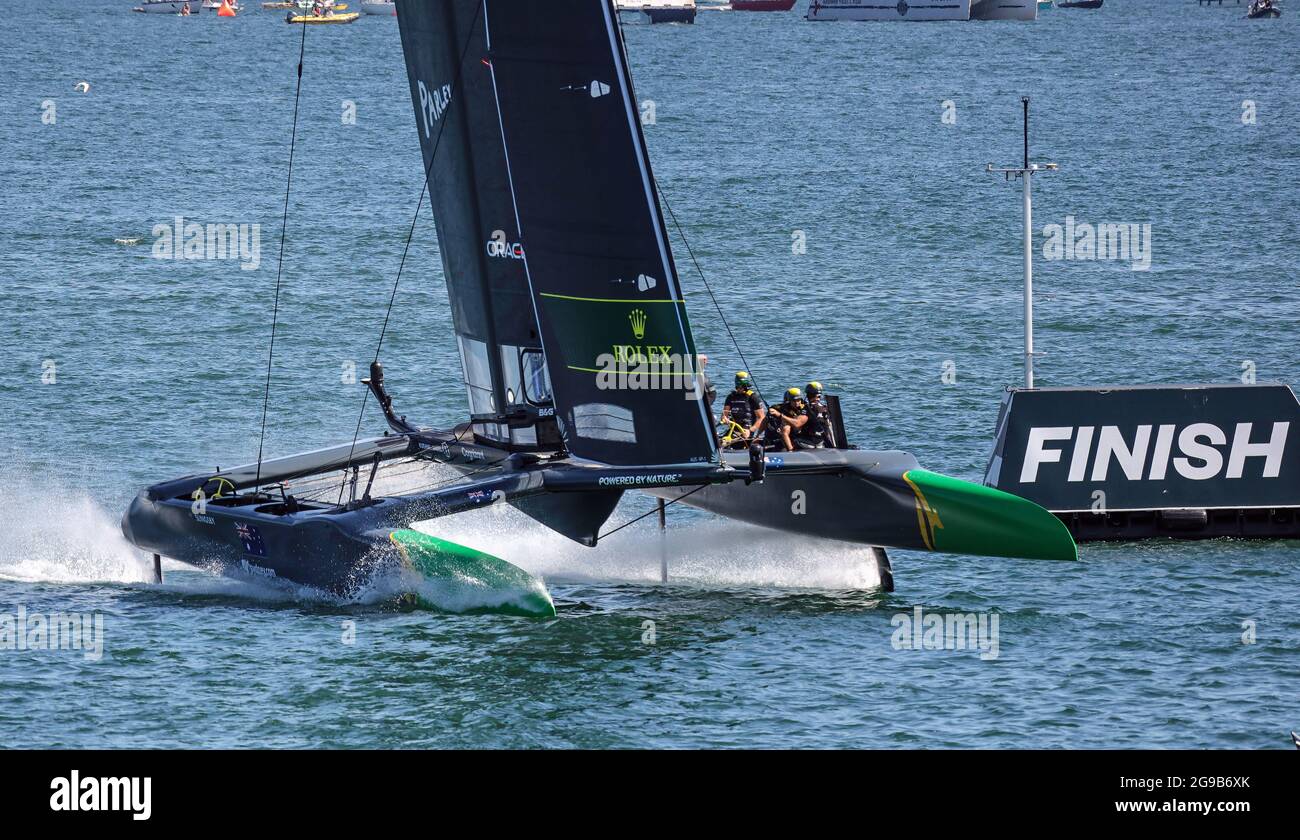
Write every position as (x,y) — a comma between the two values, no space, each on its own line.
(537,381)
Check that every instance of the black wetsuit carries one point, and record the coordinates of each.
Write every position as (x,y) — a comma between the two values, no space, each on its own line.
(816,432)
(744,405)
(773,426)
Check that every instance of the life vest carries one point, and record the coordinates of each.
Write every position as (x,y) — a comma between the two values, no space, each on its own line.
(741,410)
(818,420)
(773,428)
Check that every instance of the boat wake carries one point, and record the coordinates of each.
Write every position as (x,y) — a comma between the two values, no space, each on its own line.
(50,533)
(705,553)
(54,534)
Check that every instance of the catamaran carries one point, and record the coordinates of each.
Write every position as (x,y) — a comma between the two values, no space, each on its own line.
(577,353)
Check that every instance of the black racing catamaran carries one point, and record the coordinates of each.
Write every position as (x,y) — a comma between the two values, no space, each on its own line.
(577,354)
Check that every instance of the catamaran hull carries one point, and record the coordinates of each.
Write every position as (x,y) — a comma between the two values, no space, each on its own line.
(335,553)
(875,498)
(340,551)
(882,498)
(835,505)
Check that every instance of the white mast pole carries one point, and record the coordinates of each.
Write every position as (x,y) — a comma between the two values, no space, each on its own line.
(1026,173)
(1029,279)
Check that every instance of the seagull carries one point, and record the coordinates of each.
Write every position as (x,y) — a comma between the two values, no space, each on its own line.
(82,87)
(1295,739)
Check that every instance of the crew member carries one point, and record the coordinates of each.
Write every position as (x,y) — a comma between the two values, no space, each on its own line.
(816,433)
(745,409)
(785,420)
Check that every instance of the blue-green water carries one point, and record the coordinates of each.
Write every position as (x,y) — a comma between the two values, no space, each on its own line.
(765,126)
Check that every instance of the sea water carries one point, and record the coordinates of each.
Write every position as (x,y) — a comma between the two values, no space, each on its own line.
(830,180)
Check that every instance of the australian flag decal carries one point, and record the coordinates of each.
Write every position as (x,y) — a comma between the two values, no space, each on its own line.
(252,539)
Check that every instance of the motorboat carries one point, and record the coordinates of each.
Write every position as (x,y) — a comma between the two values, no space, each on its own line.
(656,11)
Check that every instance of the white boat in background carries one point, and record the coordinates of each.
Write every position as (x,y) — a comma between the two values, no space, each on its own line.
(216,4)
(886,10)
(305,5)
(170,7)
(387,8)
(656,11)
(1004,10)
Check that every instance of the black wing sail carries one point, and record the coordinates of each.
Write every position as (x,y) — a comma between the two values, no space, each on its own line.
(614,327)
(456,118)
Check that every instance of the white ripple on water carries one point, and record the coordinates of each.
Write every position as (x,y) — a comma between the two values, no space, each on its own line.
(707,553)
(49,533)
(52,533)
(703,552)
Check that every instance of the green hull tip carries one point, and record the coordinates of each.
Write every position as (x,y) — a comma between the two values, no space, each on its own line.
(458,579)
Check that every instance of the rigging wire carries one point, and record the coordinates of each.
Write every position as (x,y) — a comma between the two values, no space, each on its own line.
(410,233)
(689,250)
(647,513)
(453,479)
(317,494)
(279,269)
(424,189)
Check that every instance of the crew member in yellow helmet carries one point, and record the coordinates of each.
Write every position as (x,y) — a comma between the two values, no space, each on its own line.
(745,409)
(785,420)
(817,432)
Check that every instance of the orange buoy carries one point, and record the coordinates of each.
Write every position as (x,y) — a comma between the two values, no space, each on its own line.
(225,10)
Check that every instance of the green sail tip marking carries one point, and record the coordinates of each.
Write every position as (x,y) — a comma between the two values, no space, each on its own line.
(959,517)
(460,579)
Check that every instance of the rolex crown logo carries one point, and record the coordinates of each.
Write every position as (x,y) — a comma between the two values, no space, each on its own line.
(638,323)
